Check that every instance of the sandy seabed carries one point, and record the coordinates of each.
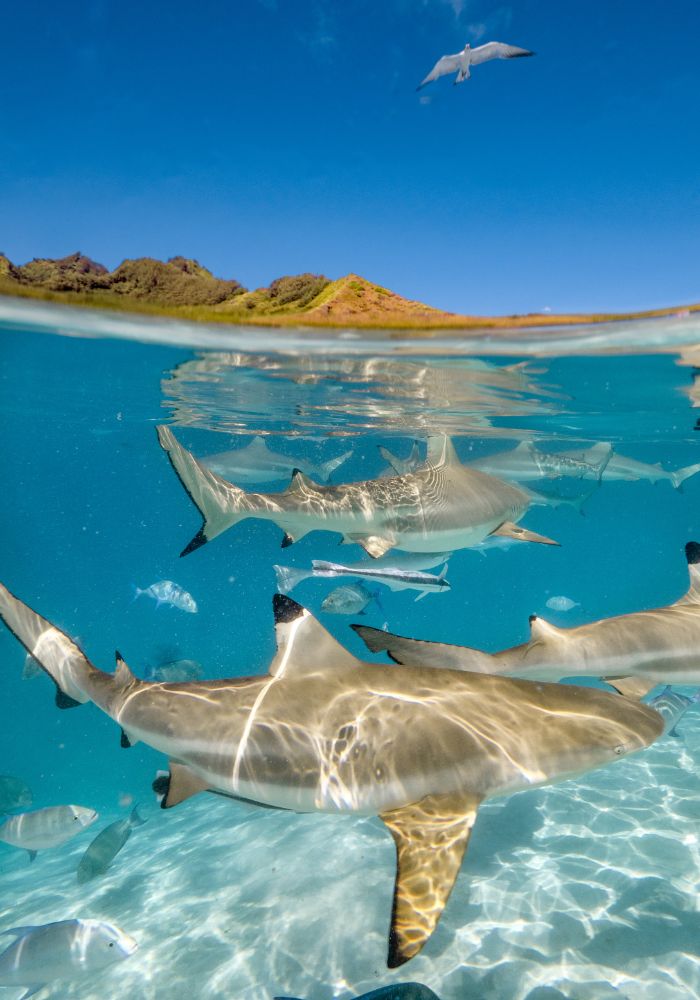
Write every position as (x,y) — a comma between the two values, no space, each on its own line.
(586,891)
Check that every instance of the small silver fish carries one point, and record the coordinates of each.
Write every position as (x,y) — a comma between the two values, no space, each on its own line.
(14,794)
(562,603)
(43,828)
(107,844)
(672,706)
(67,949)
(176,672)
(167,592)
(350,599)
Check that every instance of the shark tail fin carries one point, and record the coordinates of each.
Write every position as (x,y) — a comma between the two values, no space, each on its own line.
(54,651)
(288,577)
(135,818)
(680,475)
(326,468)
(220,503)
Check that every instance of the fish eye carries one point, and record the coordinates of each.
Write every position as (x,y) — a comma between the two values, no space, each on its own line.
(111,944)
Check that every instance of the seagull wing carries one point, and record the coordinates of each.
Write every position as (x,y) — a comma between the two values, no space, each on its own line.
(496,50)
(448,64)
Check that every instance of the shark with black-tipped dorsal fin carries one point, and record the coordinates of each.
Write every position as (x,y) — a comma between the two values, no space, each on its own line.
(326,732)
(441,506)
(632,652)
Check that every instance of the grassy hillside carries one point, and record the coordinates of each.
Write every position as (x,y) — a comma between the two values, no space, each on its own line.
(183,288)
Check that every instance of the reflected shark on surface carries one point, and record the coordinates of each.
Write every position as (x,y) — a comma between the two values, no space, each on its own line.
(442,505)
(256,463)
(633,652)
(326,732)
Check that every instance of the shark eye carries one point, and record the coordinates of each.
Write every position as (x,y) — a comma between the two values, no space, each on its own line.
(111,944)
(620,748)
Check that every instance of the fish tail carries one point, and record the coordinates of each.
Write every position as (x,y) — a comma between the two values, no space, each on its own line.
(288,577)
(136,819)
(680,475)
(136,592)
(220,503)
(325,468)
(76,679)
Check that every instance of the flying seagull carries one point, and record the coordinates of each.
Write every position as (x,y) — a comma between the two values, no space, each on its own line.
(461,61)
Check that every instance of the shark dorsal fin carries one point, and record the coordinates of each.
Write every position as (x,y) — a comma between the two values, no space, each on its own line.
(303,645)
(258,444)
(692,554)
(123,674)
(431,837)
(541,629)
(301,483)
(441,451)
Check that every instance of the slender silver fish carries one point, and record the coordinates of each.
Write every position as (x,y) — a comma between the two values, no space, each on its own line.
(326,732)
(289,576)
(389,576)
(65,950)
(443,505)
(634,652)
(107,844)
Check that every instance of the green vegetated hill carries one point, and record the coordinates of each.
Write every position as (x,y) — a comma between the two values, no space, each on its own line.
(182,287)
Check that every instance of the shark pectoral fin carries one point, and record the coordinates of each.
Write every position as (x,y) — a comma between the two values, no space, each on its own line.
(632,687)
(182,784)
(32,855)
(303,645)
(374,545)
(431,837)
(32,991)
(125,741)
(510,530)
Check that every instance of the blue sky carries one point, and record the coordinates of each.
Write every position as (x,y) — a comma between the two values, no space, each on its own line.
(266,137)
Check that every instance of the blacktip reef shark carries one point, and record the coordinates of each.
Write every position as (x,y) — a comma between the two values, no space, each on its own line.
(523,463)
(256,463)
(442,505)
(326,732)
(632,652)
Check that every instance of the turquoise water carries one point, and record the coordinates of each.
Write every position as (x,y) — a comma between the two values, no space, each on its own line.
(585,889)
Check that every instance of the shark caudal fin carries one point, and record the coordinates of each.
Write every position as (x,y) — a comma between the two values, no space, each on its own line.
(288,577)
(401,466)
(325,469)
(420,653)
(56,653)
(680,475)
(220,503)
